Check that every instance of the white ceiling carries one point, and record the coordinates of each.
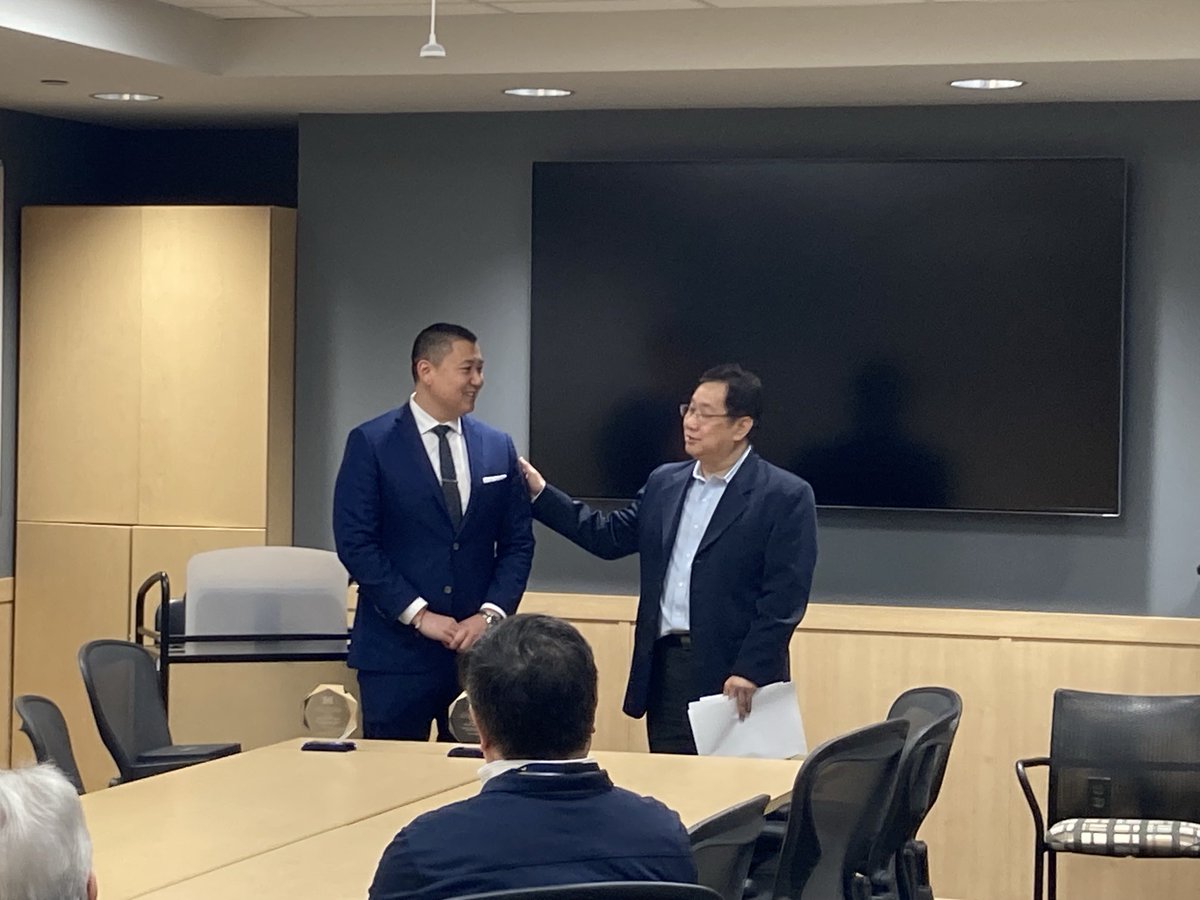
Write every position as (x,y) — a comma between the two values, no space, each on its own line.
(243,61)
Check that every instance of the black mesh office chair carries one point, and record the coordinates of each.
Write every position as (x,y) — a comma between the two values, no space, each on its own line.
(838,802)
(723,845)
(122,685)
(898,863)
(1124,780)
(611,890)
(44,725)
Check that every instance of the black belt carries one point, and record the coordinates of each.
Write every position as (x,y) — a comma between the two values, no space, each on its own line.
(676,640)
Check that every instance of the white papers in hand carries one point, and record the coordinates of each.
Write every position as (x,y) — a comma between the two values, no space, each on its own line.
(773,730)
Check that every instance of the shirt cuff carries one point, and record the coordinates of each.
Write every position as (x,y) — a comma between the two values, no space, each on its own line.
(410,611)
(494,608)
(538,494)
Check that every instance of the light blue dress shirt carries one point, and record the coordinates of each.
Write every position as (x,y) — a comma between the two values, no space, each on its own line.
(703,495)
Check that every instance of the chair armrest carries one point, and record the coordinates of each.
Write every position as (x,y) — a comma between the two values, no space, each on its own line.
(1035,810)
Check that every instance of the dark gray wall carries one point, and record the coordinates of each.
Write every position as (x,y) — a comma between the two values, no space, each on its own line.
(53,161)
(412,218)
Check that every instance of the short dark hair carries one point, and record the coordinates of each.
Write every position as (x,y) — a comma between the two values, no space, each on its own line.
(743,389)
(532,681)
(433,343)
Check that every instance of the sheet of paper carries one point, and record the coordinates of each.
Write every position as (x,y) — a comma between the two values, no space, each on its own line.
(773,730)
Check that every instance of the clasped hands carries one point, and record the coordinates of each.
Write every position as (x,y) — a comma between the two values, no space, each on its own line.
(451,634)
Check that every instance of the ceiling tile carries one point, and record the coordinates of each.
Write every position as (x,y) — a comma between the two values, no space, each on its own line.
(249,12)
(394,9)
(591,6)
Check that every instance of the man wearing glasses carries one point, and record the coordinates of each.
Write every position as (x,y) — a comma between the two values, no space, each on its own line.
(728,544)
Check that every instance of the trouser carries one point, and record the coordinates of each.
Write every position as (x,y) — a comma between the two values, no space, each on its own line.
(400,706)
(671,689)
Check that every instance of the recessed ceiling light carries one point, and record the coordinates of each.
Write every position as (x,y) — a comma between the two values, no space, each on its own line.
(538,92)
(57,82)
(127,97)
(987,84)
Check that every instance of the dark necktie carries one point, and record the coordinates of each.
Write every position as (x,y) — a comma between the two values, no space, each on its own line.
(449,477)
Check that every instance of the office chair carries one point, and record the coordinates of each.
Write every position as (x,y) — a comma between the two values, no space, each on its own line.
(723,845)
(838,801)
(44,725)
(122,685)
(898,863)
(1124,780)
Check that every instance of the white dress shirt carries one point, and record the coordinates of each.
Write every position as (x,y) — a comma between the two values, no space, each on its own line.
(703,495)
(458,448)
(462,472)
(496,767)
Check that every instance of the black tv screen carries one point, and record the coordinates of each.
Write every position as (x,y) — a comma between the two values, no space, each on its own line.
(930,334)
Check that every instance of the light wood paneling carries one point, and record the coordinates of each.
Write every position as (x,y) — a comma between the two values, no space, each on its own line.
(72,587)
(606,622)
(6,694)
(204,349)
(281,380)
(850,662)
(612,645)
(80,336)
(845,681)
(1037,667)
(169,549)
(255,704)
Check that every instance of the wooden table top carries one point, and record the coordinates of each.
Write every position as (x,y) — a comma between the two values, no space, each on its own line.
(340,861)
(160,830)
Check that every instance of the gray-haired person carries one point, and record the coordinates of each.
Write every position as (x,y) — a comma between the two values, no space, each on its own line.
(45,851)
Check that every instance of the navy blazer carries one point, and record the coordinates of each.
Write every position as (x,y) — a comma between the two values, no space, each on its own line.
(750,578)
(540,825)
(394,535)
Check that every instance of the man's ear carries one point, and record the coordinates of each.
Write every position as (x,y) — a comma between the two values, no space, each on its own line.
(91,886)
(742,427)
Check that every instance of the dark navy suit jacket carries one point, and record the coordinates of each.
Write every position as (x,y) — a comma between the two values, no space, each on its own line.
(750,578)
(528,828)
(394,536)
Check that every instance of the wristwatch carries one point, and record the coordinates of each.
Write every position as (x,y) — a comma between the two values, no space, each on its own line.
(490,616)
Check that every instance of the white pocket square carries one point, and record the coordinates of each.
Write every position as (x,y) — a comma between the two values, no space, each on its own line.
(488,479)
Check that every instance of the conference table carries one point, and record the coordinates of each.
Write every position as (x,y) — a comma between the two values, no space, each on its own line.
(279,822)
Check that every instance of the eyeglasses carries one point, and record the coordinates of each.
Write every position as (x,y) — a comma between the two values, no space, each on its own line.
(686,409)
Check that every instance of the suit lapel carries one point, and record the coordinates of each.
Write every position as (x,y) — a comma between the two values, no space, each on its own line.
(672,507)
(471,438)
(415,446)
(733,502)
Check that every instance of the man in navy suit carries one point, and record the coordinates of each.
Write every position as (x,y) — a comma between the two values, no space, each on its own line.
(728,544)
(546,813)
(431,519)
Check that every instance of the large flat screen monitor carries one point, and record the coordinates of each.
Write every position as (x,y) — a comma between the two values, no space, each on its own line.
(942,335)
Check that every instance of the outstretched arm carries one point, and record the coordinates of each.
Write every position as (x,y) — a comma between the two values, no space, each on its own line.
(607,535)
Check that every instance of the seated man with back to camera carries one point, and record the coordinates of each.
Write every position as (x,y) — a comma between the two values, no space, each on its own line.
(45,851)
(547,814)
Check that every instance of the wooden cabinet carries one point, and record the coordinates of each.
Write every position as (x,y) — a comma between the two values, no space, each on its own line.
(154,419)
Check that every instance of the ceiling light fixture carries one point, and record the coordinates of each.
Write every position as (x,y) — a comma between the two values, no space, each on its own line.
(126,96)
(538,92)
(432,49)
(56,82)
(987,84)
